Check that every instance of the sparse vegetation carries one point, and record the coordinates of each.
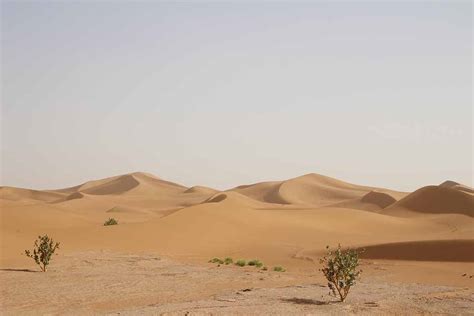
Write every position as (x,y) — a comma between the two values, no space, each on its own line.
(111,221)
(43,251)
(256,263)
(241,262)
(216,260)
(279,269)
(340,269)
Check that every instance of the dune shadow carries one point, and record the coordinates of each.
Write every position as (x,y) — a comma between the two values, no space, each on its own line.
(18,270)
(305,301)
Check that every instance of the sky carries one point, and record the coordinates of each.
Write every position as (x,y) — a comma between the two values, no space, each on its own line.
(227,93)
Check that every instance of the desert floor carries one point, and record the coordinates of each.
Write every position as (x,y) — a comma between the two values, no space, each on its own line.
(418,260)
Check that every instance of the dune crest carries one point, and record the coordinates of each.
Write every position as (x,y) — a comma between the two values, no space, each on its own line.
(454,185)
(438,200)
(380,199)
(18,194)
(201,190)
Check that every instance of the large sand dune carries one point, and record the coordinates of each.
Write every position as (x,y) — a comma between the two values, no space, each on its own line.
(285,223)
(440,199)
(273,220)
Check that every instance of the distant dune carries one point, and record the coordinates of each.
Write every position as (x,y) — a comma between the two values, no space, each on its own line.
(457,186)
(201,190)
(279,222)
(378,198)
(18,194)
(310,189)
(442,199)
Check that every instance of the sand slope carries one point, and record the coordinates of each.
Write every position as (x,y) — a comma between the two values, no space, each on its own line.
(315,190)
(19,194)
(437,199)
(283,223)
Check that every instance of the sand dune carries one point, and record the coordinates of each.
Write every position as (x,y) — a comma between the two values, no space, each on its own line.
(236,199)
(378,198)
(277,222)
(18,194)
(314,190)
(436,199)
(373,201)
(126,209)
(457,186)
(310,189)
(201,190)
(426,250)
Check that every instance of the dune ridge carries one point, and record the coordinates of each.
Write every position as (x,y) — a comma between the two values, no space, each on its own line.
(441,199)
(16,194)
(272,220)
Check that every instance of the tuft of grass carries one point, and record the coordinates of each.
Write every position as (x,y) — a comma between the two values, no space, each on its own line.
(255,262)
(240,263)
(279,269)
(228,260)
(111,221)
(216,260)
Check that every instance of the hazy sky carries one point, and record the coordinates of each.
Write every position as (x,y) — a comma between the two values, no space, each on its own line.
(222,94)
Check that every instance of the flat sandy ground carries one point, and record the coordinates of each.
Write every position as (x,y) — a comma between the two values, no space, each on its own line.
(127,284)
(419,256)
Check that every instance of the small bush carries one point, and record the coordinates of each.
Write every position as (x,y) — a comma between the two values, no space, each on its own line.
(110,221)
(255,262)
(264,268)
(216,260)
(240,263)
(43,251)
(340,269)
(279,269)
(228,260)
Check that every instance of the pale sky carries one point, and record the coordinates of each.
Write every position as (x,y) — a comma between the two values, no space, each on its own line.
(223,94)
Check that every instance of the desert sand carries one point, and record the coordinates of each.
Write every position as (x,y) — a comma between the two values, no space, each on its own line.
(419,247)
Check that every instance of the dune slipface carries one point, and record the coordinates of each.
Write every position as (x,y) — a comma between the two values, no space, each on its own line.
(426,250)
(378,198)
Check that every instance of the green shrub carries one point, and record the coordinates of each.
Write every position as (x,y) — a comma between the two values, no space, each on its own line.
(340,269)
(228,260)
(255,262)
(216,260)
(279,269)
(240,263)
(43,251)
(110,221)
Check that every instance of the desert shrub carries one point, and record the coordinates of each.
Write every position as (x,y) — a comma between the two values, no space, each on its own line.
(340,269)
(216,260)
(110,221)
(240,263)
(43,251)
(264,268)
(255,262)
(279,269)
(228,260)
